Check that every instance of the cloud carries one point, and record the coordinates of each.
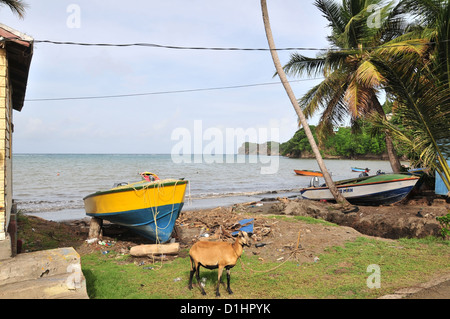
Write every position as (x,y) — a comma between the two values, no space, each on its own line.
(126,124)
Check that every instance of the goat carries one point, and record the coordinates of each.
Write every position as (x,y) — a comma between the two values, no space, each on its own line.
(212,255)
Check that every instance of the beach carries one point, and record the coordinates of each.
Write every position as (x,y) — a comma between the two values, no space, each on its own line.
(282,232)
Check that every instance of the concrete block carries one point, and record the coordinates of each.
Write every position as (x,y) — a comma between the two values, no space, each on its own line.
(5,248)
(47,274)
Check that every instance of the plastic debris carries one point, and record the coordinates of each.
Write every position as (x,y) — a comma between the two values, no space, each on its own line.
(247,226)
(91,240)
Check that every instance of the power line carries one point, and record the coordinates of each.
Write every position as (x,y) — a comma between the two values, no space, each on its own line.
(154,45)
(162,92)
(174,47)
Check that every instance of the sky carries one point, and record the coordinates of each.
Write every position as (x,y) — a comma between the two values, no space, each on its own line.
(151,123)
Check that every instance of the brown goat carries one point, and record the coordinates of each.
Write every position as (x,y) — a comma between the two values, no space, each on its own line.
(212,255)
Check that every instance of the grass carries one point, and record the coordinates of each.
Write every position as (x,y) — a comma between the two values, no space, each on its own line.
(341,272)
(38,234)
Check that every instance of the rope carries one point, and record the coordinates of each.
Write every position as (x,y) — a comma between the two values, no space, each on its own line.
(292,253)
(155,212)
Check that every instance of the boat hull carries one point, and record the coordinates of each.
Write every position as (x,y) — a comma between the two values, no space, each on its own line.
(308,173)
(148,208)
(366,193)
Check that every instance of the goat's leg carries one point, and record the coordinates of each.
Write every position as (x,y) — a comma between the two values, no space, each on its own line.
(219,277)
(191,274)
(197,275)
(228,282)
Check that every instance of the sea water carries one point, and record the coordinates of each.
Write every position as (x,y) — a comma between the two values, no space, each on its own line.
(53,186)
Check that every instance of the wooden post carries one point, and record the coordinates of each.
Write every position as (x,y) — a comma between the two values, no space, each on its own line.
(95,228)
(147,250)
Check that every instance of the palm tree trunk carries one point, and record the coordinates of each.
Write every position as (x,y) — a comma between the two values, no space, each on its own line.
(332,187)
(392,154)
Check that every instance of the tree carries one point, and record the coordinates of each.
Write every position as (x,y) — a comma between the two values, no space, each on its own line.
(347,66)
(422,93)
(16,6)
(332,187)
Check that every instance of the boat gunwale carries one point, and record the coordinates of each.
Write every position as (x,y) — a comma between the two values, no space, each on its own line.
(140,187)
(362,184)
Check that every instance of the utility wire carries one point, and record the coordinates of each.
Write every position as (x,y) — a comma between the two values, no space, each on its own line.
(162,92)
(154,45)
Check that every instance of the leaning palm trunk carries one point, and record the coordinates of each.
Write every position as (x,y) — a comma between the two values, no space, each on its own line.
(337,196)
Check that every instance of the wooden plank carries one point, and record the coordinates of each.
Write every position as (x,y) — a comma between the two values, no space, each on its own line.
(157,249)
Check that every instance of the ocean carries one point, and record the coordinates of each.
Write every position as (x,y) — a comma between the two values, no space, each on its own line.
(52,186)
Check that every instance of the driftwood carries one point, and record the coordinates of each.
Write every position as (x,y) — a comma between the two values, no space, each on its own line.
(157,249)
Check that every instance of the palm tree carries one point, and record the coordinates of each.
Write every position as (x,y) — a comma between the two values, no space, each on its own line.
(16,6)
(347,66)
(422,92)
(434,24)
(337,196)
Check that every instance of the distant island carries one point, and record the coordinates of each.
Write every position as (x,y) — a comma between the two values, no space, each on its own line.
(342,144)
(267,148)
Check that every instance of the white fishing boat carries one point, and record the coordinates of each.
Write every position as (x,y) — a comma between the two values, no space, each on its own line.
(371,190)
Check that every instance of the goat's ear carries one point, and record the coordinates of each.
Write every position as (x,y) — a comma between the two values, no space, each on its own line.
(241,234)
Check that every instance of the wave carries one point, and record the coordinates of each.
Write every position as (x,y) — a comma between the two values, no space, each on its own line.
(47,206)
(44,206)
(235,194)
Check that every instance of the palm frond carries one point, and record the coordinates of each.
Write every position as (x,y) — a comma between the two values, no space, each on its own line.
(299,65)
(424,106)
(369,76)
(327,94)
(17,7)
(425,11)
(332,12)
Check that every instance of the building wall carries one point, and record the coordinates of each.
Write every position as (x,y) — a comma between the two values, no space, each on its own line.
(5,146)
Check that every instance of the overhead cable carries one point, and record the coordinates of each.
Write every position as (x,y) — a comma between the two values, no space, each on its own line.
(162,92)
(154,45)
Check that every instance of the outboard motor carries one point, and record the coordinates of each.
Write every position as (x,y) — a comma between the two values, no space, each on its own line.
(314,182)
(363,174)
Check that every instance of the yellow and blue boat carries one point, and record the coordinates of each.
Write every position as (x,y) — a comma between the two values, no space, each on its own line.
(149,208)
